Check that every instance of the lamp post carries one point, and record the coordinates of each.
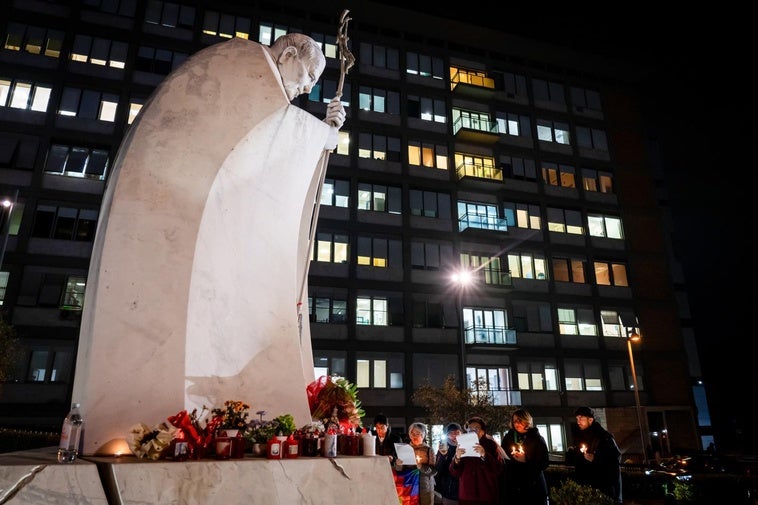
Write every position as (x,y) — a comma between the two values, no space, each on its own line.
(462,279)
(8,204)
(634,336)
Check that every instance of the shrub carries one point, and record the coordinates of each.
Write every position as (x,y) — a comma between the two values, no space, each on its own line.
(571,493)
(681,491)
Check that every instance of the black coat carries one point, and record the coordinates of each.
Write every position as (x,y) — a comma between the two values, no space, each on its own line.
(524,483)
(387,446)
(446,484)
(604,472)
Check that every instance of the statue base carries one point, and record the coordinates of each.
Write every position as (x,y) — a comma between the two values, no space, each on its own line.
(34,477)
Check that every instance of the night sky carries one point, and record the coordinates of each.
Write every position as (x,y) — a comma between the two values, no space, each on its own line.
(705,101)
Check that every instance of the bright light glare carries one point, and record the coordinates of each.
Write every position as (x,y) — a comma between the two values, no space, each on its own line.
(463,278)
(6,203)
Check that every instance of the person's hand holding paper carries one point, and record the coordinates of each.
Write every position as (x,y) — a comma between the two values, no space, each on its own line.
(405,454)
(467,441)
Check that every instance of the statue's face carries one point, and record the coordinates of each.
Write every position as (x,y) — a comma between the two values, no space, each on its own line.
(299,73)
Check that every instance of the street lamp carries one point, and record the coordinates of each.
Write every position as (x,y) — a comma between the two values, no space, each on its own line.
(8,204)
(632,335)
(461,280)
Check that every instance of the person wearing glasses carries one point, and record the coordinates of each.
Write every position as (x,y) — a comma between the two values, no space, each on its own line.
(414,480)
(524,473)
(478,476)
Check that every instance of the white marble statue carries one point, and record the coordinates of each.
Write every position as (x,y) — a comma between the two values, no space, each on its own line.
(203,244)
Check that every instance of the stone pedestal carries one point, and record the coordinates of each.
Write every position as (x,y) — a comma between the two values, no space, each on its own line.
(35,478)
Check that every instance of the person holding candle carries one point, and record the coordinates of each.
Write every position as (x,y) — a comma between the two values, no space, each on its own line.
(415,479)
(523,479)
(597,462)
(479,474)
(445,484)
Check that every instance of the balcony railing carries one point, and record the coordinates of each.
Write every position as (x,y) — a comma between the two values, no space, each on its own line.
(482,222)
(500,397)
(496,335)
(462,77)
(475,123)
(496,277)
(479,170)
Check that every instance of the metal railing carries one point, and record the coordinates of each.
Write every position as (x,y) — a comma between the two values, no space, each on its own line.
(478,170)
(482,221)
(496,335)
(475,123)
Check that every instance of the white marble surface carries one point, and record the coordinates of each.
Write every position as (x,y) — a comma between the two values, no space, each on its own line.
(201,251)
(39,480)
(36,478)
(312,481)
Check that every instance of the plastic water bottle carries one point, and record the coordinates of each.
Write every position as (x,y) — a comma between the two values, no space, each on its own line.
(68,449)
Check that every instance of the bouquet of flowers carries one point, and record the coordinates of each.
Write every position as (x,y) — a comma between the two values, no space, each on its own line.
(195,431)
(259,431)
(314,428)
(233,416)
(146,442)
(334,401)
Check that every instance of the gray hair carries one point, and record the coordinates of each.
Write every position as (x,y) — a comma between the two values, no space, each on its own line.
(418,426)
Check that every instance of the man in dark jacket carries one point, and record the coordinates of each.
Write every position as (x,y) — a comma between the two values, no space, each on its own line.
(446,484)
(385,439)
(597,458)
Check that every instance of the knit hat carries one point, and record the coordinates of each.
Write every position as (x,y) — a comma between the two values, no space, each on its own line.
(585,411)
(452,427)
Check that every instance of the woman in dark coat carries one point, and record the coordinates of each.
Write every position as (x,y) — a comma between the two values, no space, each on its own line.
(478,477)
(524,475)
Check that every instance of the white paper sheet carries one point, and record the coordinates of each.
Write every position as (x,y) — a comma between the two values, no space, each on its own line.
(467,441)
(406,454)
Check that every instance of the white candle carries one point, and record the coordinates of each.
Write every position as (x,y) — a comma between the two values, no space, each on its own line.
(369,445)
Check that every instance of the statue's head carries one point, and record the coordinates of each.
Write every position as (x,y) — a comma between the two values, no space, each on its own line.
(300,62)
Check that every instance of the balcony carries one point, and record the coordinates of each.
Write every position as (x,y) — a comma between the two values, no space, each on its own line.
(476,129)
(481,222)
(500,397)
(494,277)
(471,84)
(494,335)
(479,171)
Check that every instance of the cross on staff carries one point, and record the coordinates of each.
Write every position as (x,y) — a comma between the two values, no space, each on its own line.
(347,60)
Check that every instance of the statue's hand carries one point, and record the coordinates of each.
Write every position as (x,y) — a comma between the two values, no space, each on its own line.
(335,113)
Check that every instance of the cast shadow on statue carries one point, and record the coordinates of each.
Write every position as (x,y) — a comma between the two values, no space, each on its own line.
(245,385)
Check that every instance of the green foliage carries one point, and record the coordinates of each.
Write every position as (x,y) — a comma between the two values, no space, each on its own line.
(352,390)
(571,493)
(450,404)
(681,491)
(9,350)
(285,424)
(260,431)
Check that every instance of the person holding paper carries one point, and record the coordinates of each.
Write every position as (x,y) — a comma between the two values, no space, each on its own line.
(477,466)
(414,469)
